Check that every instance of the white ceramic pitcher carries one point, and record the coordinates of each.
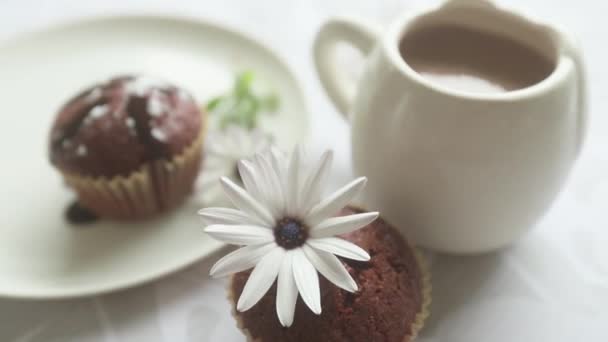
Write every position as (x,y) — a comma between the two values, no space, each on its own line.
(458,172)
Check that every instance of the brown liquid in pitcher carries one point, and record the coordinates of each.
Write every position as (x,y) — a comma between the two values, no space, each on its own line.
(465,59)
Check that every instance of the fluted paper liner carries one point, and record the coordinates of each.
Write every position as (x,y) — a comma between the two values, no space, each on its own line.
(155,187)
(424,312)
(425,279)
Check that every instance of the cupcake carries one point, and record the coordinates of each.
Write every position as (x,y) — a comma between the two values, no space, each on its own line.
(130,148)
(373,285)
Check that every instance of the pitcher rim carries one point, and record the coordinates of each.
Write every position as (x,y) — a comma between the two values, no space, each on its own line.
(396,31)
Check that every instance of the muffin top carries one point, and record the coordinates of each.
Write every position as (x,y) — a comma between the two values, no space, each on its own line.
(384,309)
(114,128)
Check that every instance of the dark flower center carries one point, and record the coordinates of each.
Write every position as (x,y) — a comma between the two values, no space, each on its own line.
(290,233)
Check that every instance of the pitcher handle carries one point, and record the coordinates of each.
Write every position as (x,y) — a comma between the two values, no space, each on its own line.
(573,51)
(349,30)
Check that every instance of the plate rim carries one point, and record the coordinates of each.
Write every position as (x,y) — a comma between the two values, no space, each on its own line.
(201,22)
(120,286)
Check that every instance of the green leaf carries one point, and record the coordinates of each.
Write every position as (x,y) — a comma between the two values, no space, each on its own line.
(242,106)
(214,103)
(243,83)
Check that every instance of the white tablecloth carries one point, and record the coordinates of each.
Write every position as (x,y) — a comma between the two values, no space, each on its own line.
(551,286)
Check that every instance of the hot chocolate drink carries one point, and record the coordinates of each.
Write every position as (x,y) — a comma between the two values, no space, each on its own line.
(465,59)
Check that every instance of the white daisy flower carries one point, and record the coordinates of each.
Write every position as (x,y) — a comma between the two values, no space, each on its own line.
(223,150)
(287,231)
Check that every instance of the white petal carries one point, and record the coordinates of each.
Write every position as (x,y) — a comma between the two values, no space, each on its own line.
(274,197)
(335,202)
(243,200)
(314,184)
(264,186)
(224,216)
(307,281)
(293,181)
(279,164)
(242,259)
(287,292)
(279,161)
(240,234)
(249,178)
(342,224)
(331,268)
(339,247)
(247,163)
(260,279)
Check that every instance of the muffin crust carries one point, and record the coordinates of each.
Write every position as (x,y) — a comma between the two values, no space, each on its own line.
(385,308)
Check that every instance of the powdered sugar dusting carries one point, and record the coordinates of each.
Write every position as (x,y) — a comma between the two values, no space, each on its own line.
(155,106)
(158,135)
(130,122)
(99,111)
(81,150)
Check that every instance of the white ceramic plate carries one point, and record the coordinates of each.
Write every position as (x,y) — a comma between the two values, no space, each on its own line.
(42,256)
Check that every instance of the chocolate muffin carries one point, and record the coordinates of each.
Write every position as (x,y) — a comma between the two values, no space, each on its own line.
(390,306)
(130,147)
